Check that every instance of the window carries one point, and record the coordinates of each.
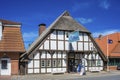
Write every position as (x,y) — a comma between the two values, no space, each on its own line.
(77,56)
(54,63)
(4,64)
(42,63)
(48,63)
(98,63)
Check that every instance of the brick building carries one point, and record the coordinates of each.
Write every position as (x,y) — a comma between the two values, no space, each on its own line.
(110,45)
(11,46)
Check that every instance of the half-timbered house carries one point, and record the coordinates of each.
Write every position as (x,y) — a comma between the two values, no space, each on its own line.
(11,47)
(54,52)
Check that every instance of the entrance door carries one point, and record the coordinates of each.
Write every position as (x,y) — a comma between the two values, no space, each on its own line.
(71,62)
(5,66)
(74,59)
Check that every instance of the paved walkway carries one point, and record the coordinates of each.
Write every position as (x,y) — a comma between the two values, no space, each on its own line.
(5,77)
(66,76)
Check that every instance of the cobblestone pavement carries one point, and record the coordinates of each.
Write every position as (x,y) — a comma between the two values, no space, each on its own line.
(66,76)
(5,77)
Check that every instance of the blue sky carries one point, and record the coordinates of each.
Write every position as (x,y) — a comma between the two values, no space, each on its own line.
(98,16)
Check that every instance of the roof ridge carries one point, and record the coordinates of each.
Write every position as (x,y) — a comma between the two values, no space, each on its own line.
(9,22)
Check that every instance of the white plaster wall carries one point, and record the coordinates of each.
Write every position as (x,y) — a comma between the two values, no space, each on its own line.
(59,69)
(86,68)
(59,55)
(43,54)
(60,45)
(91,46)
(36,71)
(37,55)
(85,46)
(54,55)
(48,55)
(66,45)
(53,45)
(89,39)
(54,69)
(97,56)
(64,62)
(30,64)
(101,63)
(85,62)
(93,56)
(49,69)
(64,55)
(30,70)
(41,47)
(89,56)
(60,35)
(46,44)
(36,64)
(64,69)
(85,37)
(85,56)
(101,68)
(80,46)
(43,70)
(80,37)
(53,35)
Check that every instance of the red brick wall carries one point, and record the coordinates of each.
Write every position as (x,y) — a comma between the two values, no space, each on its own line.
(14,67)
(113,67)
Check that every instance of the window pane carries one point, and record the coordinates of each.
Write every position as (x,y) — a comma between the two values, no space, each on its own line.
(42,63)
(48,63)
(4,64)
(54,63)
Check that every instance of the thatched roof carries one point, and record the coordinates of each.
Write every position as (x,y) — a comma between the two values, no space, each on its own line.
(66,22)
(63,22)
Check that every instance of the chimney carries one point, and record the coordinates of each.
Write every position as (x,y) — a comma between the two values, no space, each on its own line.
(100,36)
(42,28)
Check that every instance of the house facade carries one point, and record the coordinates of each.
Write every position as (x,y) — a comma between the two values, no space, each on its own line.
(11,46)
(110,45)
(53,51)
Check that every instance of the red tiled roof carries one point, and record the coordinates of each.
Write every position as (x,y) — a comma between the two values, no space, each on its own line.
(113,48)
(11,39)
(9,22)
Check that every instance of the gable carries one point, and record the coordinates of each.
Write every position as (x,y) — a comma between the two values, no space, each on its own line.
(113,50)
(49,39)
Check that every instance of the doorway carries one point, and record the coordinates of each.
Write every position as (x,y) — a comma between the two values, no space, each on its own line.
(74,59)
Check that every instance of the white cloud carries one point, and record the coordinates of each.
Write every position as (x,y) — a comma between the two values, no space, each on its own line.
(84,20)
(29,38)
(103,33)
(104,4)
